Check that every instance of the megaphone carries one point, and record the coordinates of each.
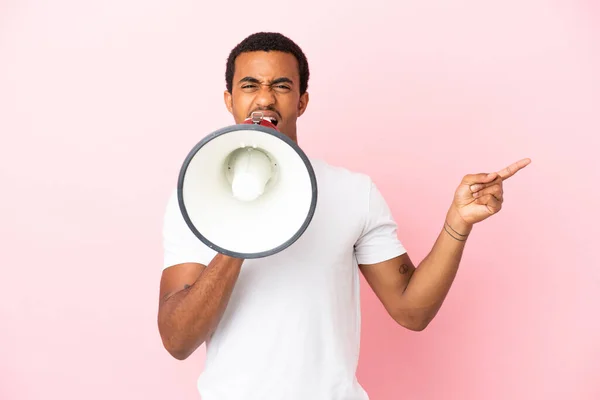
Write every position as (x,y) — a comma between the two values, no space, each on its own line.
(247,190)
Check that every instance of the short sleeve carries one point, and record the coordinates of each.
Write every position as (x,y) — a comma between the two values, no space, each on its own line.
(379,239)
(180,245)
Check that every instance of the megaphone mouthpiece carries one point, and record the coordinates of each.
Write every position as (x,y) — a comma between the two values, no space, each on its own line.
(258,118)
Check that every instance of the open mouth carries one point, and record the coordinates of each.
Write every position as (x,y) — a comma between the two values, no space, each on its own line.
(271,116)
(272,120)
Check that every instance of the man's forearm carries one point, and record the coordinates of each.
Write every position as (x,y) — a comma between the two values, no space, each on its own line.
(433,278)
(188,318)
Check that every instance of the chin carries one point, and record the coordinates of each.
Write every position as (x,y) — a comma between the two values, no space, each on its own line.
(284,131)
(292,137)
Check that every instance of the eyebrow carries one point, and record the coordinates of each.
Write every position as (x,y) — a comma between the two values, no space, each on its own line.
(274,82)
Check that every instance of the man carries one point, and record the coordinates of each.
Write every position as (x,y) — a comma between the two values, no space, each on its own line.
(287,326)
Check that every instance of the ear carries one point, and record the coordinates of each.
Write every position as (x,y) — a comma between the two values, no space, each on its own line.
(228,101)
(303,103)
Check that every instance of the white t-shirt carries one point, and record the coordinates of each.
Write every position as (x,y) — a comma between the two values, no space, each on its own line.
(291,330)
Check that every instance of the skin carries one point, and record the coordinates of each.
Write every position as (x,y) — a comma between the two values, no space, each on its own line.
(413,296)
(267,81)
(193,297)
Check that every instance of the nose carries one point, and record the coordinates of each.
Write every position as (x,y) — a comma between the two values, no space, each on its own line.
(265,96)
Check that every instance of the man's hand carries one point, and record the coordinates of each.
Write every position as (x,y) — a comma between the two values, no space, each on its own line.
(481,195)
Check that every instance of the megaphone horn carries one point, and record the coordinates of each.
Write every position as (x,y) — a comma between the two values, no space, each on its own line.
(247,190)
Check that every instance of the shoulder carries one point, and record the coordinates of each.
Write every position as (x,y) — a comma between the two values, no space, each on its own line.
(341,176)
(172,204)
(343,185)
(173,221)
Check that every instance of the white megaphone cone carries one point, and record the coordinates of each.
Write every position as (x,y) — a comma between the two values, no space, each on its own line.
(247,190)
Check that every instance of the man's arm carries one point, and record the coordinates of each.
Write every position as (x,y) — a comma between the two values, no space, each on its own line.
(192,300)
(413,296)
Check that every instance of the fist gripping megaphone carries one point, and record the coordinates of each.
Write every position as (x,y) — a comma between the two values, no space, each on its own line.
(247,190)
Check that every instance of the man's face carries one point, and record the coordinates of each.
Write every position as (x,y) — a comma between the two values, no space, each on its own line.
(267,82)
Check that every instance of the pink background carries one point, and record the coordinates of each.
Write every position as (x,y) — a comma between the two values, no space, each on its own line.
(100,102)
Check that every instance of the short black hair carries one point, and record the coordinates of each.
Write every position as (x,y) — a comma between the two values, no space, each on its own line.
(268,41)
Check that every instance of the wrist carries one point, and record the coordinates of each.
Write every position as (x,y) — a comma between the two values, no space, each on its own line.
(228,260)
(457,224)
